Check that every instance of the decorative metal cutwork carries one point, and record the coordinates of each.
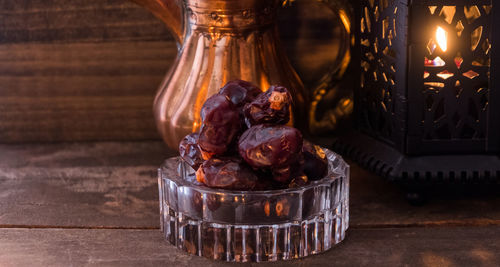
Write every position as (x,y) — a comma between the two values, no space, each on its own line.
(456,73)
(378,61)
(446,99)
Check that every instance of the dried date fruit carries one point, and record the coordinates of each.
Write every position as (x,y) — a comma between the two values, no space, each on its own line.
(273,155)
(276,207)
(285,173)
(272,106)
(197,201)
(298,181)
(220,125)
(308,205)
(315,161)
(213,244)
(226,173)
(189,150)
(263,184)
(240,92)
(269,146)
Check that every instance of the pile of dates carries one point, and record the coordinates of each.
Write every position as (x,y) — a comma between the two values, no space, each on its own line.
(244,143)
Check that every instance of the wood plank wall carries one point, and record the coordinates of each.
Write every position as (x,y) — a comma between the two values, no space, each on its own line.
(73,70)
(82,70)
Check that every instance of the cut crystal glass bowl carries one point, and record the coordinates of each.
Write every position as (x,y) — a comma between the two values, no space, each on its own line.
(255,226)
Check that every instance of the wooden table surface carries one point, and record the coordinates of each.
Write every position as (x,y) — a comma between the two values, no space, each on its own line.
(75,204)
(96,203)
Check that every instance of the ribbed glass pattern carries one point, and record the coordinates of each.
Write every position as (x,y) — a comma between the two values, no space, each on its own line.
(254,225)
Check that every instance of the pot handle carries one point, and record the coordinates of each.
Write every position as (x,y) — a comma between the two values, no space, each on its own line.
(327,90)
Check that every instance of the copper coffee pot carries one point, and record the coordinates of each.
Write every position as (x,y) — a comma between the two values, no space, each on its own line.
(219,41)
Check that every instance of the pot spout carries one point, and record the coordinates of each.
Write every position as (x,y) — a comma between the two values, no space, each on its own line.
(170,12)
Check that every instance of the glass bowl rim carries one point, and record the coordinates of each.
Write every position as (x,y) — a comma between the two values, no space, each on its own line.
(329,177)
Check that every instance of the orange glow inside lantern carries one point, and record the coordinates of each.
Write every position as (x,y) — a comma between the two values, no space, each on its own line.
(442,38)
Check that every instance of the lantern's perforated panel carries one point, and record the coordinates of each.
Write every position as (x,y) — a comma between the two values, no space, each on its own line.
(443,125)
(449,77)
(379,51)
(456,72)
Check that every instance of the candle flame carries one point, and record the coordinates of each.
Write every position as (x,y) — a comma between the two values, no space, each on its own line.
(441,38)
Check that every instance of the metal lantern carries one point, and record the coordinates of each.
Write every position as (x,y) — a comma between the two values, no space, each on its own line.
(428,105)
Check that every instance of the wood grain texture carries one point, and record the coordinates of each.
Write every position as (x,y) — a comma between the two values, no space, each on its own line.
(476,246)
(113,185)
(81,185)
(73,21)
(377,202)
(85,91)
(88,70)
(79,70)
(95,203)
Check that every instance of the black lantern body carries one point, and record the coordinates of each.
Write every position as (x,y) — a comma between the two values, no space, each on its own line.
(428,105)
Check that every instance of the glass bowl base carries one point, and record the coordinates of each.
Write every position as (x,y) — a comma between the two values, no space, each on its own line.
(254,226)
